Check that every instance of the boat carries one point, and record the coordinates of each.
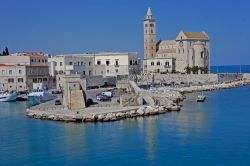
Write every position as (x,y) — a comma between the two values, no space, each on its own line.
(38,96)
(201,98)
(8,96)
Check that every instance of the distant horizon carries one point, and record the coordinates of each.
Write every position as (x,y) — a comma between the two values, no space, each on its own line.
(64,27)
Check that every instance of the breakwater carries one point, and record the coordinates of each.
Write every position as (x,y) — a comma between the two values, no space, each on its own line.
(163,100)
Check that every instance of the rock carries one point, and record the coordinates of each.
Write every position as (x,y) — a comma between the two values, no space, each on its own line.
(140,111)
(120,115)
(51,117)
(175,108)
(100,117)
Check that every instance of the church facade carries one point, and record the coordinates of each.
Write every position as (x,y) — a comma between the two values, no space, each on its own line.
(189,49)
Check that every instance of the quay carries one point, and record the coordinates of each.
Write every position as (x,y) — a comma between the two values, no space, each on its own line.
(158,101)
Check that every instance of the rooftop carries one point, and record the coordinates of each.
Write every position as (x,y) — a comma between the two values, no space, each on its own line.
(196,35)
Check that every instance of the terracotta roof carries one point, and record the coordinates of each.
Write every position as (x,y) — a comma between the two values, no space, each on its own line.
(33,54)
(165,51)
(196,35)
(2,65)
(167,42)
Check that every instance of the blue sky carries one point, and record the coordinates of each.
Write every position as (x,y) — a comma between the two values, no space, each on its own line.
(78,26)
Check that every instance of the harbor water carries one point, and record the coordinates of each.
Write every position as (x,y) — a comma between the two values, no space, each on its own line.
(216,132)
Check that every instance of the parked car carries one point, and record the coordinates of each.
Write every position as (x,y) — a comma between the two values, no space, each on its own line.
(107,93)
(103,98)
(58,102)
(89,102)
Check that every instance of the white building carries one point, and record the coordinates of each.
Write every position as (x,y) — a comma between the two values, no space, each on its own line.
(106,64)
(187,50)
(20,70)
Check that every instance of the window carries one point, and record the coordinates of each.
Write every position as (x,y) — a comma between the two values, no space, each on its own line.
(202,54)
(34,80)
(158,63)
(146,31)
(39,60)
(43,60)
(20,80)
(3,72)
(152,63)
(83,72)
(107,62)
(10,80)
(45,79)
(20,71)
(152,31)
(107,71)
(90,72)
(116,70)
(89,63)
(32,60)
(98,62)
(167,64)
(60,63)
(151,25)
(146,25)
(10,72)
(135,62)
(116,62)
(131,62)
(70,63)
(81,63)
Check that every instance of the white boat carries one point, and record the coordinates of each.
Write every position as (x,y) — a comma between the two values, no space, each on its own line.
(8,96)
(40,96)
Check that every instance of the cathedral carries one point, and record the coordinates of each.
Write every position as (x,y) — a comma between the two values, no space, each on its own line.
(189,49)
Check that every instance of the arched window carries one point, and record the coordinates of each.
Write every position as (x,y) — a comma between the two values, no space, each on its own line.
(202,54)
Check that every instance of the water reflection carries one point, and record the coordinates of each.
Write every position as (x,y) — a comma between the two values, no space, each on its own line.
(151,137)
(74,139)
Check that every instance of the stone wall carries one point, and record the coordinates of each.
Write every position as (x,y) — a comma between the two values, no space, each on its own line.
(178,78)
(98,81)
(246,76)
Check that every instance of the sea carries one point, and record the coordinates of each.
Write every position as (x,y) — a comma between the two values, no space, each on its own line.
(216,132)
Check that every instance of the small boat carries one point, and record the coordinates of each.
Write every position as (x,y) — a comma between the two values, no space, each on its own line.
(39,96)
(8,96)
(201,98)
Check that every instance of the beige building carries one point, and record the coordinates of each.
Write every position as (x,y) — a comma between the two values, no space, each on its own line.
(116,64)
(19,71)
(106,64)
(188,49)
(70,64)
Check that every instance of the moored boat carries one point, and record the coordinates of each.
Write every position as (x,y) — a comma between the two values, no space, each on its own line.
(39,96)
(201,98)
(8,96)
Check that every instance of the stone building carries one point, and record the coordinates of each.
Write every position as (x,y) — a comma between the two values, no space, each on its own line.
(106,64)
(188,49)
(19,71)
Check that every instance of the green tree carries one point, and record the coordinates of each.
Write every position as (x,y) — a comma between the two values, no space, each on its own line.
(195,69)
(6,52)
(188,69)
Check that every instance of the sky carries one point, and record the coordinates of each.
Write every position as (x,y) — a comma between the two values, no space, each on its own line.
(81,26)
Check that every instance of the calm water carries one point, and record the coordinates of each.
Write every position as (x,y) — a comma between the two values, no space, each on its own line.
(230,69)
(216,132)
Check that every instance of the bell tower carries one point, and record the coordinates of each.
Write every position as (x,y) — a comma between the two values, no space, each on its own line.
(149,36)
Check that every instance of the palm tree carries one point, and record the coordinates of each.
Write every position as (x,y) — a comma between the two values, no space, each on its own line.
(188,69)
(195,69)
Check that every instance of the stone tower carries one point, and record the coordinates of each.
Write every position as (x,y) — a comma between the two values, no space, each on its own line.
(149,36)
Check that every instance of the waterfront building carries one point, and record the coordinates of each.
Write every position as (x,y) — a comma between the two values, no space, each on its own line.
(187,50)
(20,70)
(104,64)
